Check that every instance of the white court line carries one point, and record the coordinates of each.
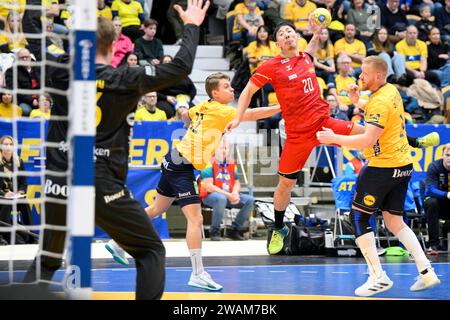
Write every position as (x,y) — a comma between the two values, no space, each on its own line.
(185,270)
(309,271)
(119,269)
(215,270)
(340,272)
(246,270)
(279,271)
(402,274)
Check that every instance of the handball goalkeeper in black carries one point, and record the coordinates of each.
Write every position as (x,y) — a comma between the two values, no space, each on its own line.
(116,212)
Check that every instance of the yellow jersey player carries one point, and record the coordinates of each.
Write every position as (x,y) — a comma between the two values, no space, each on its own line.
(383,183)
(194,151)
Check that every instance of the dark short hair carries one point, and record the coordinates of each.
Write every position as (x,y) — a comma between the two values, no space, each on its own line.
(282,24)
(150,22)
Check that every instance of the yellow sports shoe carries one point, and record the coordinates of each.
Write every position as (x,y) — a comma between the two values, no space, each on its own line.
(430,140)
(277,241)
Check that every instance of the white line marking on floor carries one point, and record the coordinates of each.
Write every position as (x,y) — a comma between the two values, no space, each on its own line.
(183,270)
(213,270)
(402,274)
(246,270)
(340,272)
(308,271)
(119,269)
(275,271)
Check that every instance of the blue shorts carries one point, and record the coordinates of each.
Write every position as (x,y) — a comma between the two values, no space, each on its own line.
(177,179)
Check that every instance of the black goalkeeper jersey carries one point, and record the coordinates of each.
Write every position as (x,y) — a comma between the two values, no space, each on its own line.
(118,92)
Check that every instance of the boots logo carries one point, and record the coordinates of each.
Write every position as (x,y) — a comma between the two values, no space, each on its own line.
(401,173)
(55,189)
(114,196)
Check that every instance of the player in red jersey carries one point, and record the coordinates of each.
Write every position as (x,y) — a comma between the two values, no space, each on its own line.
(293,77)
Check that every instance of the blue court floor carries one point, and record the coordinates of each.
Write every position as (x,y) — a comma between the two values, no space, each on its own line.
(336,280)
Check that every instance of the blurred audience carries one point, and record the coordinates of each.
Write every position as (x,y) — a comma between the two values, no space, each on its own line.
(148,111)
(149,49)
(122,45)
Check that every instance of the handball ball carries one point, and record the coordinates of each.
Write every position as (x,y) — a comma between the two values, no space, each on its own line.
(322,15)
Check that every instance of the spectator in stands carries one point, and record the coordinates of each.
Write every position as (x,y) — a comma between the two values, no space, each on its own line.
(351,46)
(7,108)
(257,52)
(174,19)
(298,11)
(222,8)
(184,90)
(6,7)
(341,83)
(27,78)
(52,12)
(45,104)
(221,182)
(324,58)
(437,197)
(66,18)
(10,162)
(131,15)
(335,111)
(149,111)
(148,47)
(337,25)
(55,44)
(122,45)
(359,16)
(103,10)
(272,14)
(13,39)
(442,21)
(130,59)
(32,23)
(382,47)
(416,53)
(261,49)
(249,18)
(180,109)
(438,57)
(394,19)
(424,25)
(414,5)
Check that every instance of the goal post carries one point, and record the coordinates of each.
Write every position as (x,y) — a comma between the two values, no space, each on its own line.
(82,106)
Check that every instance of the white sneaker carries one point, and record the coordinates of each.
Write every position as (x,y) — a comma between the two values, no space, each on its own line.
(425,281)
(204,281)
(117,252)
(374,285)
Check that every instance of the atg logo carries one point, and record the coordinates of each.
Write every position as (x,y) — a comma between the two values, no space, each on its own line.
(86,46)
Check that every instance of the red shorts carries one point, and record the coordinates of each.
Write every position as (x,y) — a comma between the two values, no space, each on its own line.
(297,150)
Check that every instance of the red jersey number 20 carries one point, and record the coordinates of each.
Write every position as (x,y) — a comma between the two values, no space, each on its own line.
(308,85)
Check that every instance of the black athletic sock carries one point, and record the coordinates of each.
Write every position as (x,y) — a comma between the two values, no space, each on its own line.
(279,217)
(412,141)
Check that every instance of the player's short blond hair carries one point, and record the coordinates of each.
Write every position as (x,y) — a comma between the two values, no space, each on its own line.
(378,63)
(446,147)
(106,34)
(212,82)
